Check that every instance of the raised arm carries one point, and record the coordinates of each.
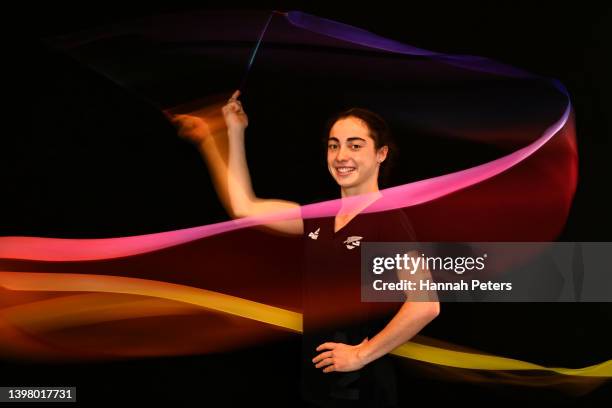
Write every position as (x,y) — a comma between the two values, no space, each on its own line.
(223,149)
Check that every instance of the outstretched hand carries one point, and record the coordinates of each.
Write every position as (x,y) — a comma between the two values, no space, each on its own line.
(340,357)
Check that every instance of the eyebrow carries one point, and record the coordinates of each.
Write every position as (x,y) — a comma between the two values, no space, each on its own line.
(350,139)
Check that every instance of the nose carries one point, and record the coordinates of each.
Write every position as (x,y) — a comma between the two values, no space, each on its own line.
(343,154)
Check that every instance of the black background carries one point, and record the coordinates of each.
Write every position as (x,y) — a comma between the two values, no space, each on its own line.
(69,172)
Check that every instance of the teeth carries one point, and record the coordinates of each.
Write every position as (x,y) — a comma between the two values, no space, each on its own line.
(345,169)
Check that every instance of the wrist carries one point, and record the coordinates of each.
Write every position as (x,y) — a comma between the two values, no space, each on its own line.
(235,132)
(364,354)
(202,144)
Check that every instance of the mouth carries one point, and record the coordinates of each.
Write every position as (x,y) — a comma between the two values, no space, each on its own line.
(345,171)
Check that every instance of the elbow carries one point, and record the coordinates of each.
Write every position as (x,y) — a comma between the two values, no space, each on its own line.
(433,310)
(424,311)
(241,207)
(235,214)
(240,211)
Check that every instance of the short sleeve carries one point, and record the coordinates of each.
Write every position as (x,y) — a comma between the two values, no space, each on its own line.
(305,221)
(397,227)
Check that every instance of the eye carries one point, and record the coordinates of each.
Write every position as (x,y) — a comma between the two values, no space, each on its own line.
(332,146)
(356,147)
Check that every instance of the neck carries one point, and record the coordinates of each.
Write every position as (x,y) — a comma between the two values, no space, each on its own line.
(355,199)
(362,189)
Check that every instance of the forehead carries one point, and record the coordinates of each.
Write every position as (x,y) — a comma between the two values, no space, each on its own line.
(349,127)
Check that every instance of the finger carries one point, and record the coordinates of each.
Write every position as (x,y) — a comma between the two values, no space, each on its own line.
(233,106)
(325,362)
(327,346)
(322,356)
(234,96)
(329,369)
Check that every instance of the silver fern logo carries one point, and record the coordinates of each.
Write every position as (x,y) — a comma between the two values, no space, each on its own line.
(314,235)
(352,242)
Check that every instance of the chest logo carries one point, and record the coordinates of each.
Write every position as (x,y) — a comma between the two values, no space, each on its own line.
(352,242)
(314,235)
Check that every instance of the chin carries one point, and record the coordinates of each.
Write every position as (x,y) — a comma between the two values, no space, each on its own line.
(347,183)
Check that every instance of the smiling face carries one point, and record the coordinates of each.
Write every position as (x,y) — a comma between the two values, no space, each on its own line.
(352,157)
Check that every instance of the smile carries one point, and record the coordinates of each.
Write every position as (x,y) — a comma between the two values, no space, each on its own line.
(343,171)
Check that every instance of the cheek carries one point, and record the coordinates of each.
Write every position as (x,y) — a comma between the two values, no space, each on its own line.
(366,159)
(330,162)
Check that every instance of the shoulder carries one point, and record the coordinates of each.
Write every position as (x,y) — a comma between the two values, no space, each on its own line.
(305,219)
(395,225)
(314,227)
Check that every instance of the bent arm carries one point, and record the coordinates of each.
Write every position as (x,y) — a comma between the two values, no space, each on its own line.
(412,317)
(407,322)
(220,140)
(242,201)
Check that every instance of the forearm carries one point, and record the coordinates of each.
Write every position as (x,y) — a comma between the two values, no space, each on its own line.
(222,147)
(407,322)
(214,151)
(240,188)
(226,161)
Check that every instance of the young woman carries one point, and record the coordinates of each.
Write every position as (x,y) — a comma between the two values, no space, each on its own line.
(343,363)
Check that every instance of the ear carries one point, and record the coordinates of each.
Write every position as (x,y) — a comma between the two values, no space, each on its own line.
(381,154)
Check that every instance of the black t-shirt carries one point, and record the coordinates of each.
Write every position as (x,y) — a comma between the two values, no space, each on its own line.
(333,311)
